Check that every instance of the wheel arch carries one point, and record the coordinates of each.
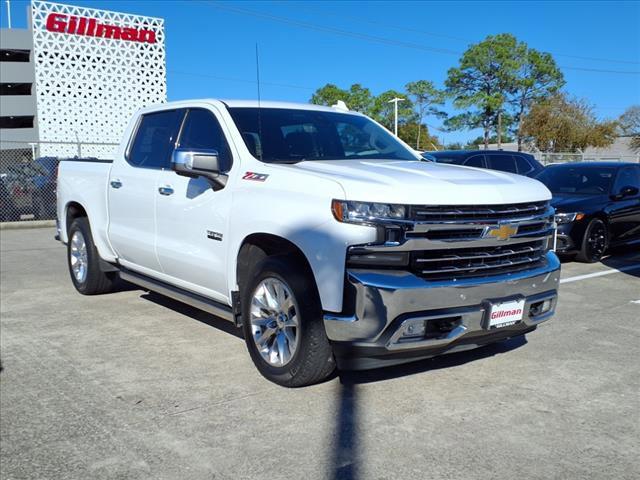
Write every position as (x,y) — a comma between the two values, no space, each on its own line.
(73,210)
(257,246)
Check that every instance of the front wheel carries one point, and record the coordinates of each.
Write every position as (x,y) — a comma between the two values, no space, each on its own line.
(84,261)
(282,322)
(594,242)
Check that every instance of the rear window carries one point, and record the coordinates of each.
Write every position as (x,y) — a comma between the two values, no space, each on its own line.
(523,165)
(154,140)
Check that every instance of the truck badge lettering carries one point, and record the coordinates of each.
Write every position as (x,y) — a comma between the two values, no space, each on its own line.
(214,235)
(256,177)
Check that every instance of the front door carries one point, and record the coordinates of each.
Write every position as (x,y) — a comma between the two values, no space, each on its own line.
(625,213)
(192,218)
(133,190)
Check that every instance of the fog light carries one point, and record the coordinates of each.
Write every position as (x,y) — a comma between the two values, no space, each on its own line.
(414,329)
(539,308)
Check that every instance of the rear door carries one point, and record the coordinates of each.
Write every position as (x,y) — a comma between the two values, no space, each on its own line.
(133,190)
(192,218)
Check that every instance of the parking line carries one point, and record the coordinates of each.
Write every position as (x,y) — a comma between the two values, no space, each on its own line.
(599,274)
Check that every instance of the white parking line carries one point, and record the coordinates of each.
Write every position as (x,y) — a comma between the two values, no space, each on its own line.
(599,274)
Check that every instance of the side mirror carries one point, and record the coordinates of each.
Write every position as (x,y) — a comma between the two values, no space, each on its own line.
(198,163)
(627,191)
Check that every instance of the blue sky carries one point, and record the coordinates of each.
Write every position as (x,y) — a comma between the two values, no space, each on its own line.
(211,50)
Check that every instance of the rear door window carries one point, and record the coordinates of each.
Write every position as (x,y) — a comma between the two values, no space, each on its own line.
(523,165)
(155,139)
(504,163)
(475,161)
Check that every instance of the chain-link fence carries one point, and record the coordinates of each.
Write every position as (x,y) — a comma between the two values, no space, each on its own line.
(549,158)
(28,175)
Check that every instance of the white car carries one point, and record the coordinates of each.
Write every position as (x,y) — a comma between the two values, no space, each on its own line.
(315,230)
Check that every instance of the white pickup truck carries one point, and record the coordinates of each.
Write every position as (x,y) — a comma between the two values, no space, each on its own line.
(327,239)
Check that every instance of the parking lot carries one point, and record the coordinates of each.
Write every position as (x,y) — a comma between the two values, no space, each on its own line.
(133,385)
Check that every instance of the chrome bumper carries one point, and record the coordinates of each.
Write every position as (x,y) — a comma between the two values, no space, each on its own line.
(386,300)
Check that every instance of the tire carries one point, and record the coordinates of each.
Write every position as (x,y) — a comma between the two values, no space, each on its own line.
(294,350)
(84,262)
(594,242)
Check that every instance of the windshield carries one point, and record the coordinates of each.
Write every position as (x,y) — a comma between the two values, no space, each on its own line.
(290,136)
(582,180)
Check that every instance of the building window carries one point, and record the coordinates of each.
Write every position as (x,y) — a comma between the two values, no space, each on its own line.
(11,55)
(18,121)
(15,89)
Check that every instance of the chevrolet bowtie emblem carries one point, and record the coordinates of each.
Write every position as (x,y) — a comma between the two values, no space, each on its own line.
(501,232)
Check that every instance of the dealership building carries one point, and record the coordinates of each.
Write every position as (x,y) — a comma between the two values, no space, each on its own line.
(70,82)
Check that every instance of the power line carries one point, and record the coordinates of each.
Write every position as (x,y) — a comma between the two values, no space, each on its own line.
(451,37)
(381,40)
(242,80)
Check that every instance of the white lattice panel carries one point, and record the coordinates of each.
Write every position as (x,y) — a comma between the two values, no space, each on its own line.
(88,87)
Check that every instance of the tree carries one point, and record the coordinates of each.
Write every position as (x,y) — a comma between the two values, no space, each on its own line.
(426,98)
(329,95)
(383,111)
(629,123)
(357,97)
(409,131)
(537,77)
(563,124)
(360,99)
(483,82)
(475,143)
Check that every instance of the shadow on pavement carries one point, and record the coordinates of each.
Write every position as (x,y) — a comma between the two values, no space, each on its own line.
(626,259)
(194,313)
(345,456)
(435,363)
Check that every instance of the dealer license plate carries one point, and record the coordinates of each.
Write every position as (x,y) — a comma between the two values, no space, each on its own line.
(506,313)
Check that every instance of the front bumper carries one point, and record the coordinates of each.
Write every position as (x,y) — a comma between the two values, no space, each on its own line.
(384,301)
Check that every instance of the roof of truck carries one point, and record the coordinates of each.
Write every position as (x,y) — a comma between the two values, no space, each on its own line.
(231,103)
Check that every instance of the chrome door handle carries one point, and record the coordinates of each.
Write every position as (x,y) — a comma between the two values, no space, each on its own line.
(116,183)
(166,190)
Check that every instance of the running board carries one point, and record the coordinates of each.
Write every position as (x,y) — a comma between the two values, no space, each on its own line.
(184,296)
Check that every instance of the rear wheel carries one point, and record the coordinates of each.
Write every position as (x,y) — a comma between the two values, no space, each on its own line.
(594,242)
(84,261)
(282,322)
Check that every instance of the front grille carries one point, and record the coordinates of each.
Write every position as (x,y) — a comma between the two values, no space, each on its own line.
(476,213)
(477,262)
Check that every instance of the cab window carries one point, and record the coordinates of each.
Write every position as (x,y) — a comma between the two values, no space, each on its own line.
(154,139)
(202,131)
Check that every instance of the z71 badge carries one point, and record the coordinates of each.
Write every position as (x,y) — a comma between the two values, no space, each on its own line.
(256,177)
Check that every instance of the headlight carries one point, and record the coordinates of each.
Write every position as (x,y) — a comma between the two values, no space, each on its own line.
(366,212)
(562,218)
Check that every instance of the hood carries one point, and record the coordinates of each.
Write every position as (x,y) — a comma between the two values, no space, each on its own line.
(407,182)
(576,203)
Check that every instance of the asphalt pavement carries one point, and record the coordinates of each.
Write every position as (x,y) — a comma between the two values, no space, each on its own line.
(132,385)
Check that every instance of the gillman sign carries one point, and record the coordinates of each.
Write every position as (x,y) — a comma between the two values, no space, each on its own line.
(90,27)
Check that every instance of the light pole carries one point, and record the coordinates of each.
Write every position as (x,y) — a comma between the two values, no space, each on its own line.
(8,14)
(395,110)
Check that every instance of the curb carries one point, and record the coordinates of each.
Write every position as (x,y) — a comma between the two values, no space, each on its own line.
(27,224)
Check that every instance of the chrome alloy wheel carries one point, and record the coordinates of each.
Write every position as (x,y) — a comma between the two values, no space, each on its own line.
(274,321)
(78,256)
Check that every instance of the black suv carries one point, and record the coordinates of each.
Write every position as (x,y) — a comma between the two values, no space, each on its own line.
(597,206)
(505,161)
